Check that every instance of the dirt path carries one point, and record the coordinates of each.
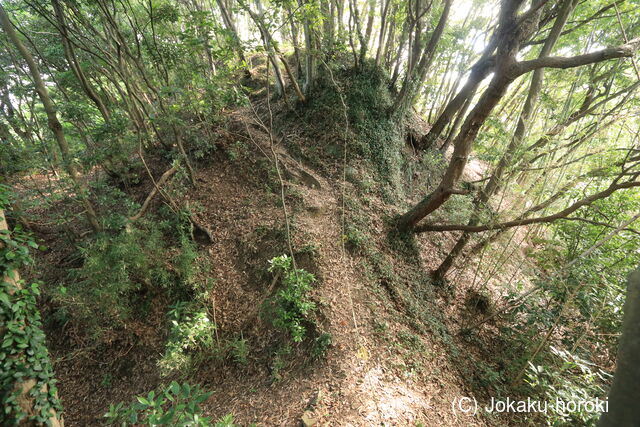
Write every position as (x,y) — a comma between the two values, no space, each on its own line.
(359,384)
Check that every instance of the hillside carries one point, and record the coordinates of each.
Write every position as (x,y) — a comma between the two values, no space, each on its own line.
(384,344)
(319,213)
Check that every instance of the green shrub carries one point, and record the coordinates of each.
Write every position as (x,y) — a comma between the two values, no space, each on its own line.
(121,272)
(191,339)
(355,239)
(291,305)
(279,362)
(102,292)
(174,405)
(321,345)
(239,350)
(185,263)
(569,379)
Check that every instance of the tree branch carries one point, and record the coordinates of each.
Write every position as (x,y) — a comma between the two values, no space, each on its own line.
(152,194)
(526,221)
(622,51)
(602,224)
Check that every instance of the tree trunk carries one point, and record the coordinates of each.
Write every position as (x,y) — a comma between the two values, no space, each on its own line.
(309,57)
(367,35)
(228,22)
(384,9)
(54,124)
(564,213)
(73,62)
(479,71)
(623,409)
(415,78)
(268,45)
(461,151)
(516,141)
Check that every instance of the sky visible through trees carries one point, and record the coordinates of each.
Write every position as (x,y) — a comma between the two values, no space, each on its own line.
(269,190)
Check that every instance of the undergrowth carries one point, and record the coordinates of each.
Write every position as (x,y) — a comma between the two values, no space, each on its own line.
(376,137)
(122,271)
(290,308)
(173,405)
(24,357)
(191,339)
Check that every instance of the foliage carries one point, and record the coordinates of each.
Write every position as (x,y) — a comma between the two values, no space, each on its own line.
(239,349)
(141,84)
(375,136)
(114,269)
(23,350)
(122,269)
(571,380)
(321,345)
(279,362)
(173,405)
(291,306)
(355,239)
(190,340)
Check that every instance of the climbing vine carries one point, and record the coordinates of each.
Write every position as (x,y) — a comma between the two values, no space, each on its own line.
(23,353)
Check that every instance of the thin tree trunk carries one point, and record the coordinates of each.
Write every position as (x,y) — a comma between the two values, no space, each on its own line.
(415,78)
(367,35)
(54,123)
(73,62)
(228,22)
(623,408)
(478,72)
(384,9)
(309,58)
(268,45)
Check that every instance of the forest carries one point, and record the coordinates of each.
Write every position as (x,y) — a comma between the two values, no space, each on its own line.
(319,213)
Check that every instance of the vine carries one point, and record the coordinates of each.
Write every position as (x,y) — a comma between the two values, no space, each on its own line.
(25,367)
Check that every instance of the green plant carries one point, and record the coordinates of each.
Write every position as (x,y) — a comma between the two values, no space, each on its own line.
(237,150)
(106,380)
(279,362)
(567,379)
(291,305)
(174,405)
(122,271)
(321,345)
(355,240)
(226,421)
(375,137)
(190,340)
(23,353)
(185,263)
(239,350)
(101,293)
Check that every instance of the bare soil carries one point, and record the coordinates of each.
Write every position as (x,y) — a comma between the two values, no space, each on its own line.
(390,361)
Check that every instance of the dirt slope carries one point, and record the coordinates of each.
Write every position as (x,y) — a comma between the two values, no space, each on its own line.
(392,359)
(372,374)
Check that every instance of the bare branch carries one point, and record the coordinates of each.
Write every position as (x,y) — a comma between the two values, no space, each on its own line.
(545,219)
(623,51)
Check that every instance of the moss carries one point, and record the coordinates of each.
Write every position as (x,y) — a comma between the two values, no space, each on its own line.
(374,136)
